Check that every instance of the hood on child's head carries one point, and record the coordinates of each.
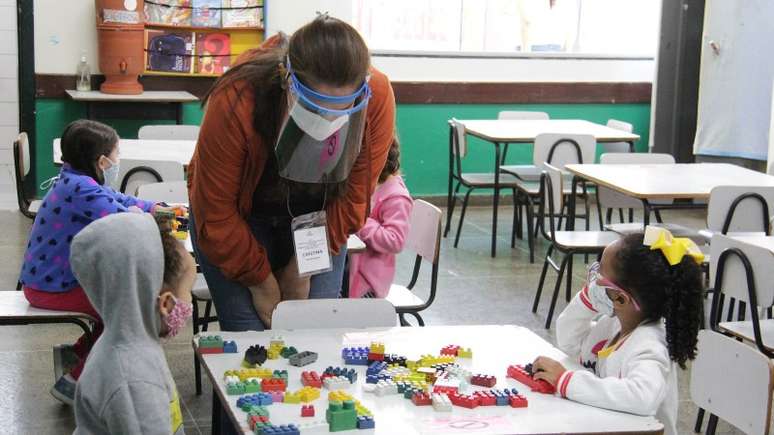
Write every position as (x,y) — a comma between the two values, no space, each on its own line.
(119,262)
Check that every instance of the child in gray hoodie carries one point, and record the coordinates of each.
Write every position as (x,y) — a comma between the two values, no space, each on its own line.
(139,280)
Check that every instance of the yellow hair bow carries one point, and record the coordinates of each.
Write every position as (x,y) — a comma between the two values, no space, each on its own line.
(673,248)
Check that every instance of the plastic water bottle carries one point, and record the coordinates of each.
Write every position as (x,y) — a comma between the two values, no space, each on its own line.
(83,81)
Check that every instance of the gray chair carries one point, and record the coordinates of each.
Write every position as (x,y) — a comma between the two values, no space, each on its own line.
(21,161)
(135,173)
(618,147)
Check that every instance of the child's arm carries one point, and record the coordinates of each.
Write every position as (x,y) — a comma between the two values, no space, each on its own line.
(638,391)
(138,408)
(94,202)
(387,234)
(128,201)
(574,324)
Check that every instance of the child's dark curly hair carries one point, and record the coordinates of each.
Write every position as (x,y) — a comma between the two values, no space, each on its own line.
(672,292)
(173,258)
(392,165)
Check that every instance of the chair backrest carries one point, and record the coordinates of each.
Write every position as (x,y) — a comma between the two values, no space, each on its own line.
(735,276)
(459,139)
(169,132)
(617,147)
(637,159)
(22,159)
(424,236)
(522,115)
(717,389)
(552,197)
(740,209)
(172,192)
(333,313)
(135,173)
(561,149)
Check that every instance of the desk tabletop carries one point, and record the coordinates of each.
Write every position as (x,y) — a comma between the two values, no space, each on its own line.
(145,97)
(507,130)
(664,181)
(146,149)
(494,348)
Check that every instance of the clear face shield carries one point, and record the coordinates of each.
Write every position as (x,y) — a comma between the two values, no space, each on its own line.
(321,135)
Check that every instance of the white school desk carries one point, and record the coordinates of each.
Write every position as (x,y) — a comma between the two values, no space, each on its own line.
(149,105)
(147,149)
(665,181)
(505,131)
(494,348)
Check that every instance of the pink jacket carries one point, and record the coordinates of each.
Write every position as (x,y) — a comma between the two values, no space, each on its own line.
(384,235)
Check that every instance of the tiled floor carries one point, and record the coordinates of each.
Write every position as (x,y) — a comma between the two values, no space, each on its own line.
(473,289)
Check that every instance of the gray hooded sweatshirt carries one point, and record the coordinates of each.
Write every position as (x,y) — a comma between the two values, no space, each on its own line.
(126,386)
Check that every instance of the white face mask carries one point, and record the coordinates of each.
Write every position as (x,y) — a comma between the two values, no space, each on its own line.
(111,174)
(316,126)
(599,300)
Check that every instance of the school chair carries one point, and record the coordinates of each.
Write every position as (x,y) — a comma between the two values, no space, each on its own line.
(168,132)
(618,147)
(567,243)
(172,192)
(458,149)
(21,162)
(333,313)
(424,239)
(135,173)
(717,388)
(558,150)
(739,210)
(524,172)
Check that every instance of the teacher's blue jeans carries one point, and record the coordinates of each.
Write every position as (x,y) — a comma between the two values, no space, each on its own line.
(233,300)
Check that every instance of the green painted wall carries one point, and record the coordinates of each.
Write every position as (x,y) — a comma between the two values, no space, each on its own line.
(422,127)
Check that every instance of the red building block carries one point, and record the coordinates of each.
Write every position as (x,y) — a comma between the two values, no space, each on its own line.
(483,380)
(208,350)
(272,384)
(445,390)
(450,350)
(375,356)
(518,401)
(464,400)
(257,419)
(311,379)
(307,411)
(421,399)
(485,398)
(518,373)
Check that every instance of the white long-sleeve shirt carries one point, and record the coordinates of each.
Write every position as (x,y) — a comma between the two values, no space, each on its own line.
(635,375)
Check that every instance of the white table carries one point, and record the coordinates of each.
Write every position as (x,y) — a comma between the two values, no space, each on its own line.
(505,131)
(665,181)
(149,105)
(494,348)
(146,149)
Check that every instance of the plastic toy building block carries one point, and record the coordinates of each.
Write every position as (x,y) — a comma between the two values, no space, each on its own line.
(286,352)
(464,400)
(290,429)
(520,374)
(483,381)
(252,386)
(355,356)
(393,359)
(518,401)
(273,353)
(341,416)
(255,355)
(501,399)
(458,372)
(430,360)
(302,358)
(229,347)
(210,344)
(350,374)
(307,410)
(428,372)
(385,388)
(280,374)
(277,396)
(245,374)
(294,398)
(375,356)
(446,383)
(339,396)
(421,399)
(465,353)
(336,382)
(450,350)
(311,379)
(245,403)
(441,402)
(376,368)
(377,347)
(365,422)
(257,421)
(273,384)
(308,394)
(485,398)
(235,388)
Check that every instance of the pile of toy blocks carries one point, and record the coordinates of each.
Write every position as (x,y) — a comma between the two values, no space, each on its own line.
(215,344)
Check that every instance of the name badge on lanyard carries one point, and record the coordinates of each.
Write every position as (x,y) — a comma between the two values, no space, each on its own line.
(310,237)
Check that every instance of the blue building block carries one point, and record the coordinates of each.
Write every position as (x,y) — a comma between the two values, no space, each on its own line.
(260,399)
(229,347)
(376,368)
(365,422)
(501,399)
(350,374)
(355,356)
(290,429)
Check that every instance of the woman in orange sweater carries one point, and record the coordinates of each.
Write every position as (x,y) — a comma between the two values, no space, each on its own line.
(294,137)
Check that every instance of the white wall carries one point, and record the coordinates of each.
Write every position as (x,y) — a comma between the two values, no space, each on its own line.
(63,29)
(9,100)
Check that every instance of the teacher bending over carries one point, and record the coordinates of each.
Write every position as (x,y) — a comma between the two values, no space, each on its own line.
(291,146)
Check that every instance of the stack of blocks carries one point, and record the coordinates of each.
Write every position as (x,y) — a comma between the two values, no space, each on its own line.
(341,416)
(311,379)
(215,344)
(275,347)
(376,351)
(525,377)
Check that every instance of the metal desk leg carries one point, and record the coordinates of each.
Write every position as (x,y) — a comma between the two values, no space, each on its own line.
(570,225)
(631,146)
(646,213)
(496,201)
(217,409)
(179,113)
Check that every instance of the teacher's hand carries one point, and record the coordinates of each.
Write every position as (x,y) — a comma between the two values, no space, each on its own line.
(291,285)
(266,296)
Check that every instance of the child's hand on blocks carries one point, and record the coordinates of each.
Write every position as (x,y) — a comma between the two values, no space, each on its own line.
(547,369)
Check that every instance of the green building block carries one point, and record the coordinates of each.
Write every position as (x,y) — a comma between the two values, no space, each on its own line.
(281,374)
(235,388)
(211,341)
(259,411)
(341,416)
(287,352)
(252,386)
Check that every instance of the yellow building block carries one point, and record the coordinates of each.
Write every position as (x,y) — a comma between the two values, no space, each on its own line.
(377,347)
(308,394)
(273,353)
(465,353)
(339,396)
(292,397)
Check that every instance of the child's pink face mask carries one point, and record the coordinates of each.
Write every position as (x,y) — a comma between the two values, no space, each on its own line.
(177,318)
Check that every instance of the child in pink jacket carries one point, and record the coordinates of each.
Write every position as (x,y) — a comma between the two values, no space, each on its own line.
(384,233)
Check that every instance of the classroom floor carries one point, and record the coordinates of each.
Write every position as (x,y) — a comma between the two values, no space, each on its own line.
(473,289)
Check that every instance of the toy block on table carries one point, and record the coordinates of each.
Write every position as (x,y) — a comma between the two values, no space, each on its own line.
(290,429)
(464,400)
(519,373)
(350,374)
(245,403)
(245,374)
(483,381)
(311,379)
(302,358)
(277,396)
(210,344)
(307,410)
(252,386)
(235,388)
(373,379)
(376,368)
(273,384)
(385,388)
(308,394)
(229,347)
(365,422)
(341,416)
(255,355)
(446,383)
(292,397)
(286,352)
(421,399)
(257,421)
(336,382)
(339,396)
(458,372)
(450,350)
(280,374)
(376,347)
(393,359)
(357,356)
(441,402)
(485,398)
(430,360)
(465,353)
(518,401)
